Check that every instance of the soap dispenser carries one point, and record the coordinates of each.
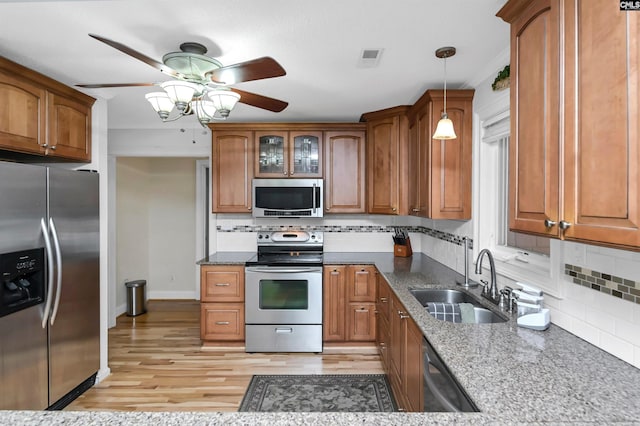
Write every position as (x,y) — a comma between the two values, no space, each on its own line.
(531,314)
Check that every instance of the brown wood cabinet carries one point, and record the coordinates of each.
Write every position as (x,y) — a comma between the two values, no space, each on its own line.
(242,151)
(344,171)
(231,171)
(349,296)
(581,184)
(440,170)
(387,146)
(40,116)
(222,302)
(400,346)
(334,303)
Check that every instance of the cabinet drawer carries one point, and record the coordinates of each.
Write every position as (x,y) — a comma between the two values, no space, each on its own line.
(222,321)
(222,284)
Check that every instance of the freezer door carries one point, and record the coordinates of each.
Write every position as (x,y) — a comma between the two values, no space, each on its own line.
(23,340)
(74,332)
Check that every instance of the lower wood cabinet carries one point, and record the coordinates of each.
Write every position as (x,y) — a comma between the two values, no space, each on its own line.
(349,293)
(400,344)
(222,307)
(222,321)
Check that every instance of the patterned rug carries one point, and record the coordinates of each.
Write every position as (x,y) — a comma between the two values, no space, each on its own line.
(319,393)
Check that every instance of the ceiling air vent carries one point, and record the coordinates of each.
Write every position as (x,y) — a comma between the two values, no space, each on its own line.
(369,57)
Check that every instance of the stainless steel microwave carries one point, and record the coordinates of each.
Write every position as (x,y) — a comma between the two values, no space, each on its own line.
(287,197)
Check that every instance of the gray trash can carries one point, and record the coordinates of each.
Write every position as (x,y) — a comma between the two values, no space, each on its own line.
(136,297)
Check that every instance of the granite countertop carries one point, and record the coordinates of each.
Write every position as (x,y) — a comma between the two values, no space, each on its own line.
(514,375)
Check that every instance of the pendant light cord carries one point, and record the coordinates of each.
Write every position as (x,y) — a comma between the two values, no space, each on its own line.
(445,86)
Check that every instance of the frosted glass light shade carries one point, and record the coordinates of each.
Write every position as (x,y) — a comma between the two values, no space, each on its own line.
(444,130)
(223,100)
(161,103)
(181,92)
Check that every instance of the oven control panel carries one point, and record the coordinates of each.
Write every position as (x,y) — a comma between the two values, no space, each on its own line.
(290,237)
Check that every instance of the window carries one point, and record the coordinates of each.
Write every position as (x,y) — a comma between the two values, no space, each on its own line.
(518,256)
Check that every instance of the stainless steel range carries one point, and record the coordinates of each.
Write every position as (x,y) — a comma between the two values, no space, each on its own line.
(283,293)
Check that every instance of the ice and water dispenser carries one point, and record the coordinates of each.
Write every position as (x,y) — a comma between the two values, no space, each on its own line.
(23,275)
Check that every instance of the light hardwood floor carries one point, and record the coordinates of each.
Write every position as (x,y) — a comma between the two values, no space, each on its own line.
(157,364)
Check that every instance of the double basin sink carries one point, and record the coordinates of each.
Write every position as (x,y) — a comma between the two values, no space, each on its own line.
(482,314)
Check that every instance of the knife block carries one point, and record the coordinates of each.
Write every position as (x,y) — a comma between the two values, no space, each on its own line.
(403,250)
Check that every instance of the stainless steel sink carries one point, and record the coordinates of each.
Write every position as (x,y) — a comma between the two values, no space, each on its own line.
(483,315)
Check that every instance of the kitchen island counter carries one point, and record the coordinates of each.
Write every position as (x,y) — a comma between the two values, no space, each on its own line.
(514,375)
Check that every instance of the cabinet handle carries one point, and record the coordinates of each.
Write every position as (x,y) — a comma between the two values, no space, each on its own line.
(383,300)
(53,148)
(549,223)
(415,210)
(222,284)
(564,225)
(402,315)
(222,322)
(335,272)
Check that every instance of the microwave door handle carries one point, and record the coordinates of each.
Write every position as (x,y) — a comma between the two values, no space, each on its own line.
(314,198)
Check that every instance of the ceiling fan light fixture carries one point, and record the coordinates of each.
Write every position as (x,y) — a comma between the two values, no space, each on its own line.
(161,103)
(181,92)
(444,129)
(223,100)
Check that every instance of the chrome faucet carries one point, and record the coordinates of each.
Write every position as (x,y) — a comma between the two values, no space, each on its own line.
(492,292)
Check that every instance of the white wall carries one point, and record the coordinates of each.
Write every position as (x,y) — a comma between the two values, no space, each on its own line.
(132,219)
(155,216)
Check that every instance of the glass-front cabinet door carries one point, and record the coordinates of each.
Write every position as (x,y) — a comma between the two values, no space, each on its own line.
(282,154)
(305,154)
(272,155)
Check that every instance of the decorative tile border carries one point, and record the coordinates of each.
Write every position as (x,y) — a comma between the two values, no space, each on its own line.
(604,283)
(444,236)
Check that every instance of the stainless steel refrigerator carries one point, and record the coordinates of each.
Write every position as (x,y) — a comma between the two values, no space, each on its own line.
(49,294)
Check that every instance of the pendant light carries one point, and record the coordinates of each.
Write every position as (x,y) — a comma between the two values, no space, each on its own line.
(444,130)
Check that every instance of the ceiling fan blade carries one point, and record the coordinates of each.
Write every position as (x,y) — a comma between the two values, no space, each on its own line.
(256,69)
(139,56)
(260,101)
(98,86)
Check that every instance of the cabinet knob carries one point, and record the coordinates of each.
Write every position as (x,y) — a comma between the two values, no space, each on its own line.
(393,209)
(564,225)
(549,223)
(248,208)
(284,173)
(290,173)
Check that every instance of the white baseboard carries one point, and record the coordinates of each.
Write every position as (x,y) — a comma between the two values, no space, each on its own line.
(121,309)
(159,294)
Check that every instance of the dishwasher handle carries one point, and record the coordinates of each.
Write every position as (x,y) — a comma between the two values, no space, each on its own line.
(446,403)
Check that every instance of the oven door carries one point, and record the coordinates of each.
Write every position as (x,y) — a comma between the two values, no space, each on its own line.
(283,295)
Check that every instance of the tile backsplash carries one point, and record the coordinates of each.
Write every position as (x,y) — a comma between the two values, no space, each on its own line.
(605,283)
(440,235)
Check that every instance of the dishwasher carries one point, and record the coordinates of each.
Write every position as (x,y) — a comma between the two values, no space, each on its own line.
(442,393)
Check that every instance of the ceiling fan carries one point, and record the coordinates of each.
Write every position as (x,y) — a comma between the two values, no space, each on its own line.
(200,83)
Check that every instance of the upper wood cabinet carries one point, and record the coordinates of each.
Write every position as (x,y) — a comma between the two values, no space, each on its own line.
(387,177)
(242,151)
(282,154)
(231,170)
(43,117)
(440,170)
(69,128)
(344,171)
(575,146)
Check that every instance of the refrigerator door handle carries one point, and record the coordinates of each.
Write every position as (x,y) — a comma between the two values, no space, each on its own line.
(47,244)
(56,245)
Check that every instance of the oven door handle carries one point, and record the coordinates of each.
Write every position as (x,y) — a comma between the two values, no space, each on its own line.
(270,270)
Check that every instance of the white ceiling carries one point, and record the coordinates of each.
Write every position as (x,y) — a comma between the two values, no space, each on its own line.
(319,44)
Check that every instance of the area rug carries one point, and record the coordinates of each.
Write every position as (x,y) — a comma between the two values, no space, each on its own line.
(319,393)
